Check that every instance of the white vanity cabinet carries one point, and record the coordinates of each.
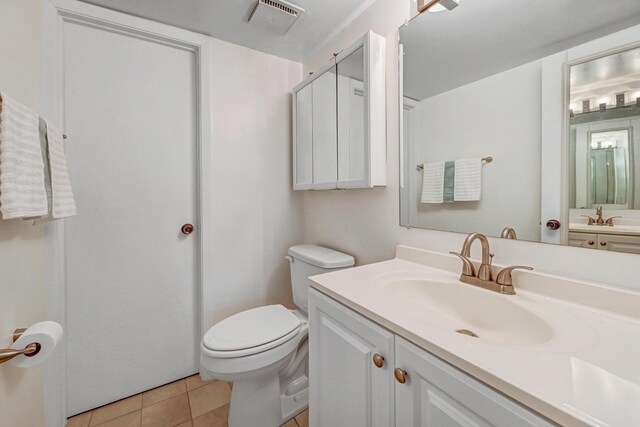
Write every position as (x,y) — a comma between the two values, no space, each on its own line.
(339,121)
(583,240)
(606,242)
(347,389)
(436,394)
(346,386)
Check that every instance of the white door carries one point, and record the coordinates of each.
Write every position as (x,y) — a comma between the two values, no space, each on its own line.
(346,388)
(130,110)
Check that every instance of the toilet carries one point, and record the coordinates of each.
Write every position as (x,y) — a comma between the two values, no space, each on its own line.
(264,351)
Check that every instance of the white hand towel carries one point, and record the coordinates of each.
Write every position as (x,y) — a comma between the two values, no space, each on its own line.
(433,183)
(468,180)
(22,190)
(63,203)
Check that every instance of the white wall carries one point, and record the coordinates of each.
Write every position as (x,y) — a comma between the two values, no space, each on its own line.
(21,244)
(462,124)
(365,222)
(257,215)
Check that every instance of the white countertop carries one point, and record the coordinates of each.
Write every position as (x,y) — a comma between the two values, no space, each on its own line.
(627,230)
(587,373)
(625,226)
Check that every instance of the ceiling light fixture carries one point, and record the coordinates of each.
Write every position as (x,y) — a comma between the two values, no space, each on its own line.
(437,5)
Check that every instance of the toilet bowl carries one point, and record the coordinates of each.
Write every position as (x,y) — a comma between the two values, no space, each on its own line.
(264,351)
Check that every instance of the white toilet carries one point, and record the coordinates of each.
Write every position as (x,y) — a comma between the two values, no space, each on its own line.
(264,351)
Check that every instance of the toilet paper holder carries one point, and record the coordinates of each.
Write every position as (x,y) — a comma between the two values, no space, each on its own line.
(30,350)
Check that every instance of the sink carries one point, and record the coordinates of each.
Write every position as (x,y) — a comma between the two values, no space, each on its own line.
(493,317)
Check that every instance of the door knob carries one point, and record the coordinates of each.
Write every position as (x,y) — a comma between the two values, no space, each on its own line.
(378,360)
(187,229)
(401,375)
(553,224)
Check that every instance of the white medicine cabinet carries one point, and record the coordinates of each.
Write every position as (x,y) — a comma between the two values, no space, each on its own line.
(339,121)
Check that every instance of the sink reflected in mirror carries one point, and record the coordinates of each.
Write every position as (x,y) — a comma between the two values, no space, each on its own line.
(493,317)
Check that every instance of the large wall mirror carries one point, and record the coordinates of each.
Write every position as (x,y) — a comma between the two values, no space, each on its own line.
(517,125)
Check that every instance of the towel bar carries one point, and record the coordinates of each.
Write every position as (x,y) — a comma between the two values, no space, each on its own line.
(487,159)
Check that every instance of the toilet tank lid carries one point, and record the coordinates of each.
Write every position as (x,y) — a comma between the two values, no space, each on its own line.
(321,257)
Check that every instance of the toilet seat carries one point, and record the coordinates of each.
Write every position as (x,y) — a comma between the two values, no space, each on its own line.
(251,332)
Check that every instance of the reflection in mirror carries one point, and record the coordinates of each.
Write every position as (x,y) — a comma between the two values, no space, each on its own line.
(608,160)
(604,145)
(324,144)
(351,117)
(492,87)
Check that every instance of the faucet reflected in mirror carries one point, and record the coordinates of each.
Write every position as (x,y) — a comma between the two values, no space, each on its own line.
(509,233)
(483,278)
(599,220)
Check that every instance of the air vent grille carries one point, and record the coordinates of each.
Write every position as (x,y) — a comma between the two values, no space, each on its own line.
(280,6)
(275,15)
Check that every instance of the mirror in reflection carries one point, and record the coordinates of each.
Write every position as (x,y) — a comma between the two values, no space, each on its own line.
(604,144)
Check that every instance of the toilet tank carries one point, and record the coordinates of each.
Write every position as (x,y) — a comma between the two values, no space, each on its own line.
(309,260)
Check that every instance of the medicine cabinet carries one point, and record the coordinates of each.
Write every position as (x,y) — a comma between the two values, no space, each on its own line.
(339,121)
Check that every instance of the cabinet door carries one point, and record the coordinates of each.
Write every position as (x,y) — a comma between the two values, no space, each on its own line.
(346,388)
(583,240)
(362,135)
(325,135)
(617,243)
(353,153)
(439,395)
(303,138)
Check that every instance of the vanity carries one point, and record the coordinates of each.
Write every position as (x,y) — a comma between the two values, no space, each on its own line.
(611,234)
(406,343)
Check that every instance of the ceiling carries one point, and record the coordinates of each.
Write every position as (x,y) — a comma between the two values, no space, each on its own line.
(227,20)
(448,49)
(605,77)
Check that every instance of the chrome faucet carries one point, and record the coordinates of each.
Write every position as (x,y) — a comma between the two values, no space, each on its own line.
(599,220)
(484,276)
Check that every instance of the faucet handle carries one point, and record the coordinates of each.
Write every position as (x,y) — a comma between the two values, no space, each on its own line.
(504,277)
(591,220)
(467,266)
(609,221)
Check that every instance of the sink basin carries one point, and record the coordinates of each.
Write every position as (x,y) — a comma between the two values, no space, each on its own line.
(493,317)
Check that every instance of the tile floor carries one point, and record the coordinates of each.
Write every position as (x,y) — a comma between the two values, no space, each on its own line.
(186,403)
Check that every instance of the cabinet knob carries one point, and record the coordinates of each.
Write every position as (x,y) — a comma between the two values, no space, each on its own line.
(378,360)
(401,375)
(603,243)
(591,243)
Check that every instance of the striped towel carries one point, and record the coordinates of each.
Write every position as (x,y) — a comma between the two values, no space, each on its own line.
(468,180)
(63,204)
(433,183)
(22,190)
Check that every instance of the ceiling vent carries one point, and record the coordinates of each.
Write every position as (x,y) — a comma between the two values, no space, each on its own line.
(277,16)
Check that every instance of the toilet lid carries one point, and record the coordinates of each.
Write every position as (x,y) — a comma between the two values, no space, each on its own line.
(251,328)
